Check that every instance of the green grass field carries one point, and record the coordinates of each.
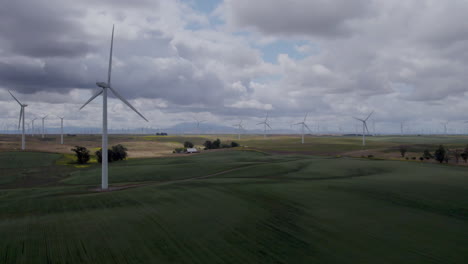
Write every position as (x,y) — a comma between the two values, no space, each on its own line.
(233,207)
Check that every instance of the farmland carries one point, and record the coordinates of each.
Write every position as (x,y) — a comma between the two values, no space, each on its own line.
(273,201)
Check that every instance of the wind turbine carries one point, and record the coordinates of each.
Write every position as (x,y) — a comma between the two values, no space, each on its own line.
(401,128)
(104,87)
(240,127)
(304,125)
(21,117)
(61,129)
(445,127)
(198,123)
(364,127)
(43,125)
(32,127)
(265,125)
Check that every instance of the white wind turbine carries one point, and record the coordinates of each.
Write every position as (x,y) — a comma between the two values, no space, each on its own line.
(364,127)
(240,127)
(445,127)
(104,87)
(32,126)
(304,125)
(21,117)
(43,125)
(61,129)
(265,125)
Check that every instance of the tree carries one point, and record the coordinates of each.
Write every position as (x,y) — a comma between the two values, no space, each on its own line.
(440,154)
(82,154)
(234,144)
(427,154)
(208,144)
(109,155)
(216,144)
(119,152)
(403,150)
(188,144)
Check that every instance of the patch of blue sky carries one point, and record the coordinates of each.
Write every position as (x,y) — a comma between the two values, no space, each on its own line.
(271,51)
(203,6)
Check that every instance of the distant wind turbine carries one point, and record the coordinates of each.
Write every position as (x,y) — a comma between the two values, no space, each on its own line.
(364,127)
(240,127)
(43,125)
(104,87)
(445,127)
(198,123)
(21,118)
(61,129)
(32,127)
(304,125)
(265,125)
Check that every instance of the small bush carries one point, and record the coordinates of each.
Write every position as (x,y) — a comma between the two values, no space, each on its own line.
(82,154)
(179,150)
(370,156)
(234,144)
(413,158)
(421,158)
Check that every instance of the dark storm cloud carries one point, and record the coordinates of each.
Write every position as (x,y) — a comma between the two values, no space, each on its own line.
(42,29)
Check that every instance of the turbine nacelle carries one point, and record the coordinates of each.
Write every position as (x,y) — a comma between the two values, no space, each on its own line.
(102,85)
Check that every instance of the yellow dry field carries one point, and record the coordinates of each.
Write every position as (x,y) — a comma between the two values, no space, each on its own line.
(137,146)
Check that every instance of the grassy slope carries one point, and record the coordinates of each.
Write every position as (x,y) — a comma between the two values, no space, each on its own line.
(281,209)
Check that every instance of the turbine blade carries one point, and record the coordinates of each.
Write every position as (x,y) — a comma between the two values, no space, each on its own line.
(260,123)
(127,103)
(21,116)
(369,115)
(365,125)
(358,119)
(268,125)
(15,98)
(307,128)
(305,117)
(92,98)
(110,58)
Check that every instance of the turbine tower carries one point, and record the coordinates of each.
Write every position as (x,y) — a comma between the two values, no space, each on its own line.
(265,125)
(43,125)
(21,118)
(32,127)
(104,87)
(364,127)
(304,125)
(240,127)
(61,129)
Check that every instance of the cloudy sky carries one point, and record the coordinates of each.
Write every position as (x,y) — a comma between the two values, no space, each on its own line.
(223,61)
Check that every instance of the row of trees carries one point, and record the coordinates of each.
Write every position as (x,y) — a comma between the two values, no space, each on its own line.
(441,154)
(217,144)
(115,153)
